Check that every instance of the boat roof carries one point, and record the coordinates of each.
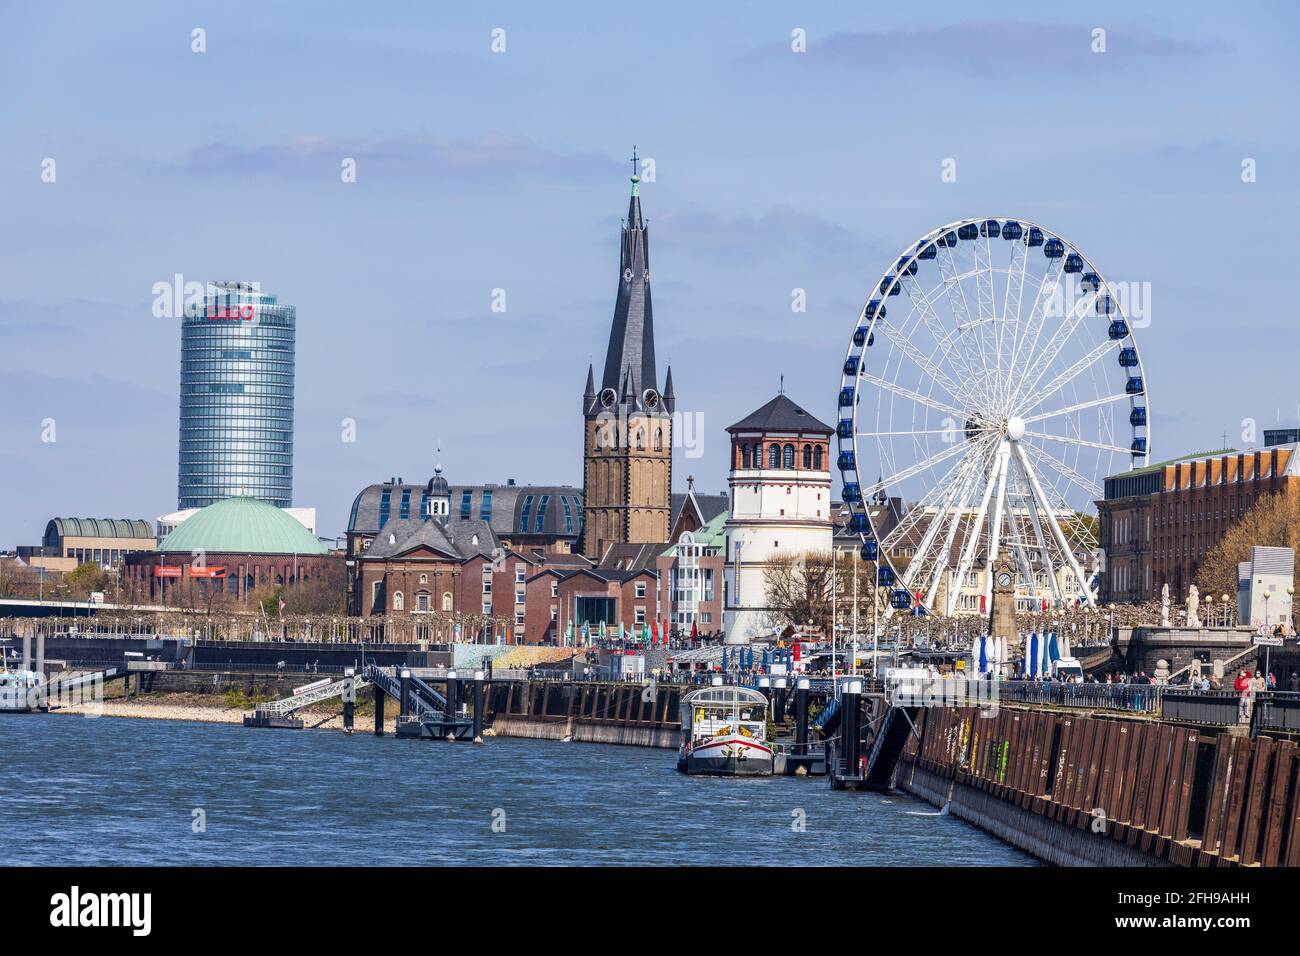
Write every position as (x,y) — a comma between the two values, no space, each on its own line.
(724,695)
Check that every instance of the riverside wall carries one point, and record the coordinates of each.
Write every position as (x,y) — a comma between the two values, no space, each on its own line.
(1099,790)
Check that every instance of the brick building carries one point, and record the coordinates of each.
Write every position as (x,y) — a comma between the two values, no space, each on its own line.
(1157,523)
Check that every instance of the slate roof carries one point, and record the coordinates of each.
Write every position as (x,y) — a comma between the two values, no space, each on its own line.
(710,506)
(504,513)
(454,538)
(781,415)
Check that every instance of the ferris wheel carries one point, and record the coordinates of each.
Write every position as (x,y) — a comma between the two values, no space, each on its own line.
(992,382)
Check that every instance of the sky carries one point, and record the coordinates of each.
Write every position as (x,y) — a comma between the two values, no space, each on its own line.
(481,169)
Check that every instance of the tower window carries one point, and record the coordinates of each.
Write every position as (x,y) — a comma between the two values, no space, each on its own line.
(787,459)
(774,456)
(744,456)
(807,456)
(817,458)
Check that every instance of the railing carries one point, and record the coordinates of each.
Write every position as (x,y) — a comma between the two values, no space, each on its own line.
(1218,708)
(1141,698)
(1276,710)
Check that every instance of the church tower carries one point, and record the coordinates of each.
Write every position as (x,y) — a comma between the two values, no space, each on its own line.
(627,423)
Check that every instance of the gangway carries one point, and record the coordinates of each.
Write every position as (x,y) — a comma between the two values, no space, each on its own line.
(279,713)
(896,724)
(428,715)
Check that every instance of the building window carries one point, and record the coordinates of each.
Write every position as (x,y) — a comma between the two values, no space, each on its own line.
(485,506)
(541,513)
(817,458)
(519,573)
(523,515)
(640,590)
(638,616)
(555,589)
(774,457)
(405,510)
(787,459)
(807,456)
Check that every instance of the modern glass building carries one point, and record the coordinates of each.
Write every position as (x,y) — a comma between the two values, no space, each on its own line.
(236,434)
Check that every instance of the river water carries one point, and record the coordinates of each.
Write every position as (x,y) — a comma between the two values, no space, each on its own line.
(95,791)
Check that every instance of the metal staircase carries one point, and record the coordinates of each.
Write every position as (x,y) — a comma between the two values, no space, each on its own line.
(287,705)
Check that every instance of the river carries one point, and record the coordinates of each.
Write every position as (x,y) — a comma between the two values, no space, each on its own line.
(119,791)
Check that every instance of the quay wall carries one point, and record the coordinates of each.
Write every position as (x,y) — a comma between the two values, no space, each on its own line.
(1093,790)
(608,713)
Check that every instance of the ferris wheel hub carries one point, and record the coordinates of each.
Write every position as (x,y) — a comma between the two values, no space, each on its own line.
(1015,428)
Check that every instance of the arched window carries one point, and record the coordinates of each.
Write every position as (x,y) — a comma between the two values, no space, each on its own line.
(659,439)
(807,456)
(774,456)
(446,601)
(744,456)
(817,458)
(398,602)
(787,460)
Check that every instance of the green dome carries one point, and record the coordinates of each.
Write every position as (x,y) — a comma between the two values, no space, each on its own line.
(242,526)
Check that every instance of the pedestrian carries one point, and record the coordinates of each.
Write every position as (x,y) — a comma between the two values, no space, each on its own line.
(1293,682)
(1242,686)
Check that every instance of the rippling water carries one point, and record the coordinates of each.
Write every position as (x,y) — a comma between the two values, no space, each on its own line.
(124,791)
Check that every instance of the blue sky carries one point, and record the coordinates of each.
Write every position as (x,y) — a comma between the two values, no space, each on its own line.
(476,171)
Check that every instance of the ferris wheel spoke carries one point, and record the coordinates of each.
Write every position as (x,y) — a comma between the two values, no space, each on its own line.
(913,395)
(1014,293)
(961,315)
(1054,526)
(919,467)
(1081,406)
(1090,488)
(1044,359)
(1038,312)
(905,346)
(918,431)
(1079,441)
(1065,377)
(937,332)
(951,492)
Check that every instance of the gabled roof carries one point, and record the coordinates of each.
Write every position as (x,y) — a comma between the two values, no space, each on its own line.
(455,539)
(781,415)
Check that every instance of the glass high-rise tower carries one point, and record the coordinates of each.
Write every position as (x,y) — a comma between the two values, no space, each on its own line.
(236,435)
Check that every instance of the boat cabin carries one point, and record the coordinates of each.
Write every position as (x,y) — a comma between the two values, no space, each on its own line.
(719,711)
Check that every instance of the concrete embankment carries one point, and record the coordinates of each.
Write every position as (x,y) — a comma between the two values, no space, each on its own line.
(536,727)
(1106,790)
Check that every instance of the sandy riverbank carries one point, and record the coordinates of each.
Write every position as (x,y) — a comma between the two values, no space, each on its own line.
(207,710)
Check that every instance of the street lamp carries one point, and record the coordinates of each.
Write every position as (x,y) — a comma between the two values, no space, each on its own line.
(1226,612)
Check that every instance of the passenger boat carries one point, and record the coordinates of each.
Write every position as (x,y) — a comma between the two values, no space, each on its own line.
(724,733)
(17,691)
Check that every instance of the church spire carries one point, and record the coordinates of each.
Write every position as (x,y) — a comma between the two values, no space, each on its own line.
(631,336)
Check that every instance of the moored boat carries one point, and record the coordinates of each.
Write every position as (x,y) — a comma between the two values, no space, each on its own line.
(18,691)
(724,733)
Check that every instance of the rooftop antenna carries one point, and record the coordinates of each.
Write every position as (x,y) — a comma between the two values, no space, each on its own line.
(781,389)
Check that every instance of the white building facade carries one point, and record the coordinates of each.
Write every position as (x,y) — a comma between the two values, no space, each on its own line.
(780,488)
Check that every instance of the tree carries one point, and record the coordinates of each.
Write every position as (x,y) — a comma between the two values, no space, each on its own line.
(1273,521)
(808,588)
(86,578)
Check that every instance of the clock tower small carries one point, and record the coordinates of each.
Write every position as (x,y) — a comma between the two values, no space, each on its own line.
(1002,615)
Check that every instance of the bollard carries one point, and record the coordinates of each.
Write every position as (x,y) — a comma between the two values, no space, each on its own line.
(778,706)
(478,707)
(404,705)
(379,710)
(40,669)
(851,725)
(801,717)
(349,699)
(453,702)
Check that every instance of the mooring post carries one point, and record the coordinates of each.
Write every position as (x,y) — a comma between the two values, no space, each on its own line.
(404,705)
(778,705)
(349,698)
(801,716)
(27,650)
(40,669)
(478,707)
(379,710)
(453,702)
(850,724)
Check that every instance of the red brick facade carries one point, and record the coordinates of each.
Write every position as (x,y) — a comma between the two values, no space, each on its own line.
(1182,510)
